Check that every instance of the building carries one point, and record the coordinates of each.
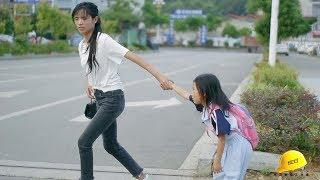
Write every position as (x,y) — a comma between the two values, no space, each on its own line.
(102,4)
(4,2)
(68,5)
(310,8)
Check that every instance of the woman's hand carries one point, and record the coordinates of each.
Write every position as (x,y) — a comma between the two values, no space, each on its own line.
(89,92)
(165,83)
(216,166)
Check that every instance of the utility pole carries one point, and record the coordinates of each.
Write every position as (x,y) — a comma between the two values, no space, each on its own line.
(34,7)
(11,5)
(158,4)
(273,32)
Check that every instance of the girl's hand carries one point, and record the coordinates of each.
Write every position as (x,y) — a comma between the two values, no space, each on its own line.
(89,92)
(216,166)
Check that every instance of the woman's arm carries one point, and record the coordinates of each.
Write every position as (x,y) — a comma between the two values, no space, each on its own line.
(165,84)
(179,90)
(89,89)
(217,158)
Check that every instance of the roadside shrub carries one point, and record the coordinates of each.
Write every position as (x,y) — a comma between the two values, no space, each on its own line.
(192,43)
(54,46)
(280,76)
(287,116)
(59,46)
(20,46)
(209,43)
(40,49)
(4,48)
(286,119)
(226,44)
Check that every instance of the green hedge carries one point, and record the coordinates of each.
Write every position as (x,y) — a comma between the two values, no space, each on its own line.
(285,113)
(279,76)
(21,47)
(4,48)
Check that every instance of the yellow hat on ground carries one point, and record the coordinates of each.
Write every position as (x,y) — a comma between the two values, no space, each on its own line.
(290,161)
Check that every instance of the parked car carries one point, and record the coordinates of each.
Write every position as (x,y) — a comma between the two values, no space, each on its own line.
(6,38)
(301,49)
(282,49)
(310,50)
(75,39)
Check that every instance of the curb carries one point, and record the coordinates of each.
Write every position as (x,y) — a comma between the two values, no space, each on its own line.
(53,55)
(46,170)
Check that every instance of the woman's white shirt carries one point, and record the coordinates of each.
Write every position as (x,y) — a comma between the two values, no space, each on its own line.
(109,54)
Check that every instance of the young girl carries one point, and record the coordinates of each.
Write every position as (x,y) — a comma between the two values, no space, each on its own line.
(233,151)
(100,57)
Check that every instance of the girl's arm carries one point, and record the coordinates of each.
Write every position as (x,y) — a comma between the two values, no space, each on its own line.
(165,84)
(217,158)
(179,90)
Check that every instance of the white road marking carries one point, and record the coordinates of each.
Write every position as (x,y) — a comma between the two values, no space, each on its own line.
(156,104)
(10,94)
(18,113)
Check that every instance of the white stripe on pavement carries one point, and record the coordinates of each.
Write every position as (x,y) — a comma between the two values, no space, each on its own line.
(10,94)
(35,65)
(18,113)
(81,118)
(55,75)
(156,104)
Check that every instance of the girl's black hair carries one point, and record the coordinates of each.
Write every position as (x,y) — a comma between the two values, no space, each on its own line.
(210,90)
(93,11)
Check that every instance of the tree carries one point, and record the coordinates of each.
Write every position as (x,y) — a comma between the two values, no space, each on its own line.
(180,25)
(232,6)
(189,24)
(6,22)
(245,31)
(195,22)
(291,22)
(22,22)
(121,11)
(213,22)
(109,26)
(231,31)
(52,20)
(22,25)
(151,17)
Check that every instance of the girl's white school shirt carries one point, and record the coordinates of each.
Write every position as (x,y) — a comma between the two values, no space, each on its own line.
(109,55)
(217,121)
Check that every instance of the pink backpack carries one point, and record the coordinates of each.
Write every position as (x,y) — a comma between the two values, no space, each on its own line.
(245,123)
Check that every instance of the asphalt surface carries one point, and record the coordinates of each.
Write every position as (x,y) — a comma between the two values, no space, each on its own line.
(40,97)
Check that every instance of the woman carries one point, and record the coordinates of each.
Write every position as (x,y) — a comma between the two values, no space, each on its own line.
(100,57)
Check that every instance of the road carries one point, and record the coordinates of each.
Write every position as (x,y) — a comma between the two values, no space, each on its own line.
(42,101)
